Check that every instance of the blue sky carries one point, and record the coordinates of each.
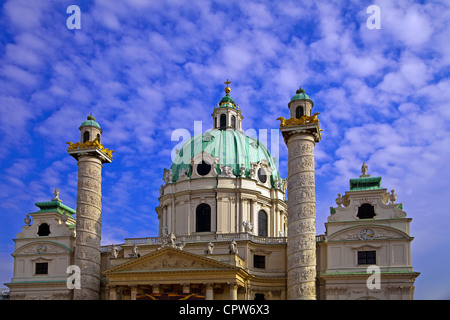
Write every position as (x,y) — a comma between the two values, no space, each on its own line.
(147,68)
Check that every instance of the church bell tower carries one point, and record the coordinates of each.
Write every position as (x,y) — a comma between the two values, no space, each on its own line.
(301,133)
(90,155)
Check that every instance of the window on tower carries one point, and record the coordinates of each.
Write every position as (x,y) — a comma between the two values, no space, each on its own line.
(367,257)
(203,218)
(41,268)
(299,112)
(366,211)
(43,230)
(85,136)
(233,122)
(223,121)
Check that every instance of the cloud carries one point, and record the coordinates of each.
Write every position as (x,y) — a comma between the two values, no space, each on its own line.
(145,68)
(407,22)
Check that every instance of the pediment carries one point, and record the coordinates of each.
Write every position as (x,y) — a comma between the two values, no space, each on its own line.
(42,248)
(379,232)
(167,260)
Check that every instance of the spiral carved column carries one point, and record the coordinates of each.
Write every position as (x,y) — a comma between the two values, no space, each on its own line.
(88,226)
(301,240)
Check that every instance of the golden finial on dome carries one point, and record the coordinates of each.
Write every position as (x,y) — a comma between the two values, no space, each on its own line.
(227,88)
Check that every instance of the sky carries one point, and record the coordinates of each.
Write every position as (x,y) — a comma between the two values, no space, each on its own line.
(147,68)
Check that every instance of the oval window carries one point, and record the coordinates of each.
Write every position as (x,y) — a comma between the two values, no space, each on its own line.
(203,168)
(262,175)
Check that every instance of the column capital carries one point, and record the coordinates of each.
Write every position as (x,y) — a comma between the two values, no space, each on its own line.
(155,287)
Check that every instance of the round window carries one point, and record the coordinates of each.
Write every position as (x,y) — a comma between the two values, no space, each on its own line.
(262,175)
(203,168)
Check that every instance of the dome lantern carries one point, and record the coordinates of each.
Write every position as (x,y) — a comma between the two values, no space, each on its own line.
(300,104)
(90,130)
(226,114)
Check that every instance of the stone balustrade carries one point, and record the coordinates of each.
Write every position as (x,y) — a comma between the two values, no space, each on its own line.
(211,237)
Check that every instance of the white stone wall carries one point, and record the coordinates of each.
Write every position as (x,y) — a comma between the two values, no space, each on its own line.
(237,200)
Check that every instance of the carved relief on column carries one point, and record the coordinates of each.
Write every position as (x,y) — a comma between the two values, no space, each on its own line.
(88,227)
(301,248)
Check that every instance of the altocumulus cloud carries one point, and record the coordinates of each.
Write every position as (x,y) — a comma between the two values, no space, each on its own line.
(146,68)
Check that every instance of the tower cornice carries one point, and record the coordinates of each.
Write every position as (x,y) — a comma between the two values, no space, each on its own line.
(312,129)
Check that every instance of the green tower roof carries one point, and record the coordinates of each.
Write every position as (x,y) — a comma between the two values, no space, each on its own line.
(52,206)
(365,183)
(227,101)
(301,95)
(90,122)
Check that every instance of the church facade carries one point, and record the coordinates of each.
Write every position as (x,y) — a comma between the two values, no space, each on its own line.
(226,228)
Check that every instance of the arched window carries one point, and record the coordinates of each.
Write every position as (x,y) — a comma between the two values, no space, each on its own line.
(299,112)
(85,136)
(98,137)
(233,122)
(43,230)
(262,224)
(223,121)
(366,211)
(203,218)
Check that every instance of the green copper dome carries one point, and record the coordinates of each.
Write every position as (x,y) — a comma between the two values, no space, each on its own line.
(232,147)
(90,122)
(227,101)
(300,95)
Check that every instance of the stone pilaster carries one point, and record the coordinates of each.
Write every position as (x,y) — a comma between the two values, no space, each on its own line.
(233,290)
(301,240)
(88,226)
(209,293)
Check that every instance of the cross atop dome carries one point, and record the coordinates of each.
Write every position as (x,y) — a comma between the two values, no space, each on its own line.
(227,88)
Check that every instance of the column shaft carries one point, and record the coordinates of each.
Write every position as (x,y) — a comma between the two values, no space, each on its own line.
(88,227)
(301,240)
